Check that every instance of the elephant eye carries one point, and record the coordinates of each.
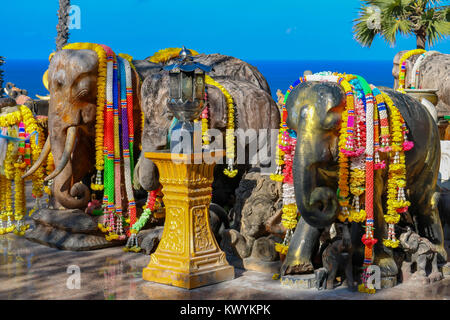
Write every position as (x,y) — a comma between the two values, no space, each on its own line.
(304,112)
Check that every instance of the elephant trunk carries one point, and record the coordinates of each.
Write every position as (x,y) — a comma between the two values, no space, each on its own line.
(71,197)
(317,204)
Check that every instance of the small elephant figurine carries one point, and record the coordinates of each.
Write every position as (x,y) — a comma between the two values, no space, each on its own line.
(422,252)
(336,256)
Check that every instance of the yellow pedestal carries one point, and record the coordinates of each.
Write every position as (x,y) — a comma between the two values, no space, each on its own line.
(188,255)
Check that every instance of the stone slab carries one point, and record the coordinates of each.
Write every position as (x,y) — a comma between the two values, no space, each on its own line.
(299,281)
(74,221)
(63,240)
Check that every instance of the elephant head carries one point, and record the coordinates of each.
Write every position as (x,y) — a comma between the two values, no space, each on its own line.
(73,83)
(72,80)
(314,111)
(409,240)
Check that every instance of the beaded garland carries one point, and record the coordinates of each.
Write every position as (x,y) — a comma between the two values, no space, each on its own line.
(402,68)
(18,151)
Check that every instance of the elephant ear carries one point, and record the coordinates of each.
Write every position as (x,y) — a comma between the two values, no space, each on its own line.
(294,103)
(335,107)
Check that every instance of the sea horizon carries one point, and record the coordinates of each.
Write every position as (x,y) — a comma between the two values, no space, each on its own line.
(280,74)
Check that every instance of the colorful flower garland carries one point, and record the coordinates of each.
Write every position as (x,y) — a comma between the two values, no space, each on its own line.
(21,150)
(402,67)
(285,151)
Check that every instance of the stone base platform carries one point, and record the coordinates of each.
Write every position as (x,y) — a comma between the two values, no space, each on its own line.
(68,230)
(299,281)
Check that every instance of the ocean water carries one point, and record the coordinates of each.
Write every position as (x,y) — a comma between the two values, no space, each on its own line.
(27,74)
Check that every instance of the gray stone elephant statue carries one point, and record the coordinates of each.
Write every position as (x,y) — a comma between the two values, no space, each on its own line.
(421,252)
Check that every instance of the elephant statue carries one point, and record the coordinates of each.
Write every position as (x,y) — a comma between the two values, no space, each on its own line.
(255,109)
(336,256)
(315,173)
(72,80)
(421,252)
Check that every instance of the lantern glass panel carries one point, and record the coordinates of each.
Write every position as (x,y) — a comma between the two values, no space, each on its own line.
(187,79)
(200,86)
(174,86)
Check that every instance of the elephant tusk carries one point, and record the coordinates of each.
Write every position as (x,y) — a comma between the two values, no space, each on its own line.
(68,149)
(44,154)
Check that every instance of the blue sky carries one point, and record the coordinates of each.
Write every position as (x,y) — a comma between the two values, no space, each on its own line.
(247,29)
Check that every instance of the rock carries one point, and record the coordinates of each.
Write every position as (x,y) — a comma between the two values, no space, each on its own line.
(234,69)
(299,281)
(149,239)
(434,73)
(263,250)
(255,264)
(446,269)
(63,240)
(73,221)
(68,230)
(7,102)
(388,282)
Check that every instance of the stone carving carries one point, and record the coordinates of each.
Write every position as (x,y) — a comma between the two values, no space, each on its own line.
(336,257)
(422,253)
(433,74)
(258,200)
(202,238)
(175,241)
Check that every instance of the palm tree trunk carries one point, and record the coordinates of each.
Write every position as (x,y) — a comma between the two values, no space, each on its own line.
(2,61)
(421,39)
(63,24)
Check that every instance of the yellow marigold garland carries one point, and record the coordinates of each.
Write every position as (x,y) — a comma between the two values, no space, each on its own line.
(164,55)
(402,67)
(229,138)
(15,165)
(396,201)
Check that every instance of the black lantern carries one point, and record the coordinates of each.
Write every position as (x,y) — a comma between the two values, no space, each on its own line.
(186,96)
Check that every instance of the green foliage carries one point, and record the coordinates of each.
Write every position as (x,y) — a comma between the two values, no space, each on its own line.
(428,20)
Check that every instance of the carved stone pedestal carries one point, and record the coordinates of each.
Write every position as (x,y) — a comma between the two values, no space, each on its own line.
(188,255)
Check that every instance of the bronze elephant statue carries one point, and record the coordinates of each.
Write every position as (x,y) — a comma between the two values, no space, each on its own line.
(315,173)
